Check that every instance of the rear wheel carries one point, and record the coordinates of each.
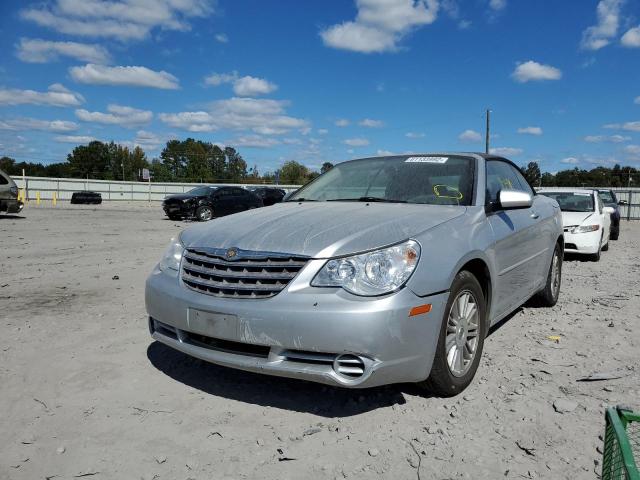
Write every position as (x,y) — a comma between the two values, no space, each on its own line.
(549,295)
(461,339)
(204,213)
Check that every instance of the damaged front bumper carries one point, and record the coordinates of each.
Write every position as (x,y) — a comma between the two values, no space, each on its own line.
(324,335)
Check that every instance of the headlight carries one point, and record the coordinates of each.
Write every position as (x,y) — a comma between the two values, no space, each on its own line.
(172,256)
(373,273)
(586,229)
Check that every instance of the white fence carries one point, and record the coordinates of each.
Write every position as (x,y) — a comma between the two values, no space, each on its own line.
(112,190)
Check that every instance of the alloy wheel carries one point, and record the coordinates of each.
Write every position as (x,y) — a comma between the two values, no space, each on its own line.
(462,333)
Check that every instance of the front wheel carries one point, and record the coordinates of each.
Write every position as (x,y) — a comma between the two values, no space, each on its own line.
(461,339)
(549,295)
(596,256)
(204,213)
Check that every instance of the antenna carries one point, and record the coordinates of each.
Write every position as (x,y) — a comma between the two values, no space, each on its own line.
(486,140)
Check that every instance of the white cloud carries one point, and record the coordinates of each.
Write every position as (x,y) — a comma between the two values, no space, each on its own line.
(56,95)
(384,153)
(380,25)
(356,142)
(570,161)
(631,38)
(470,136)
(322,131)
(190,121)
(534,71)
(369,123)
(506,151)
(464,24)
(342,122)
(262,116)
(221,38)
(120,19)
(291,141)
(530,131)
(251,86)
(637,101)
(628,126)
(148,140)
(134,76)
(254,141)
(74,139)
(37,124)
(632,149)
(606,138)
(33,50)
(497,5)
(246,86)
(118,115)
(600,35)
(414,135)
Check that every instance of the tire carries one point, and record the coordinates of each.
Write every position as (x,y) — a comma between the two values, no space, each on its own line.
(204,213)
(615,234)
(455,337)
(605,247)
(174,217)
(549,295)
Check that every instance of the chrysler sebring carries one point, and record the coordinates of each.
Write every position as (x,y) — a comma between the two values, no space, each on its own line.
(382,270)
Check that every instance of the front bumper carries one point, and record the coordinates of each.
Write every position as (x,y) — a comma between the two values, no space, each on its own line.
(587,243)
(301,332)
(181,209)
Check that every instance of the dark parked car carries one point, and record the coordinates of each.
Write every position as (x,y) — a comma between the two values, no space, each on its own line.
(609,199)
(86,197)
(269,195)
(9,195)
(204,203)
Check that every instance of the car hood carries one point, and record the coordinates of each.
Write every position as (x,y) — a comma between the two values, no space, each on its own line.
(180,196)
(575,218)
(319,230)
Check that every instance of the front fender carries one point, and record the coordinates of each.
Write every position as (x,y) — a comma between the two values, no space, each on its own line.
(447,247)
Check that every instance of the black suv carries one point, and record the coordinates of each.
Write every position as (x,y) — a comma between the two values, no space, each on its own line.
(609,199)
(204,203)
(9,195)
(269,195)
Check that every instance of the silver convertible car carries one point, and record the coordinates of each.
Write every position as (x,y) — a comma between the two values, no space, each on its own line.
(382,270)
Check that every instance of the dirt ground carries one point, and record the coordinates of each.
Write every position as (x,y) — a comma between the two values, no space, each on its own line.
(86,393)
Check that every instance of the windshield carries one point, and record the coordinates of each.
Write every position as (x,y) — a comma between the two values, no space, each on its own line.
(572,202)
(201,191)
(420,179)
(606,196)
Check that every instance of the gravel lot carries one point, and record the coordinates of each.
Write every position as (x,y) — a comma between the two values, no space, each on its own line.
(85,392)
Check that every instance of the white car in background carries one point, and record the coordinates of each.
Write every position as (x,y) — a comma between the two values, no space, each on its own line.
(586,221)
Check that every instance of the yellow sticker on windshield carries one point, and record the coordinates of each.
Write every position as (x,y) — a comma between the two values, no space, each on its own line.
(446,191)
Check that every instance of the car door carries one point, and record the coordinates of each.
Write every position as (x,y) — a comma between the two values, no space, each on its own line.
(223,201)
(516,247)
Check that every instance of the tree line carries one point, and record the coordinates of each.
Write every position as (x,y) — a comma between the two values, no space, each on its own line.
(196,161)
(189,160)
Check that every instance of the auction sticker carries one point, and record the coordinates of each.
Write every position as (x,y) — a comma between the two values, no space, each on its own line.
(426,160)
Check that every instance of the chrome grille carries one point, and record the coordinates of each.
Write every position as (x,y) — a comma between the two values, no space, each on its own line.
(244,274)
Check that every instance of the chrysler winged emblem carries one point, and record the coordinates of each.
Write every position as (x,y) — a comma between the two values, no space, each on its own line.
(232,253)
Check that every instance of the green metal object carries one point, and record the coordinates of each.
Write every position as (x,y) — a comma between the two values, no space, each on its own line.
(621,454)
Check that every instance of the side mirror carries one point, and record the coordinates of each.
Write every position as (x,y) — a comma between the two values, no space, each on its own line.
(608,210)
(623,202)
(514,199)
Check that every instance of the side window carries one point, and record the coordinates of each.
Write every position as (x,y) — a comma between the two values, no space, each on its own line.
(599,203)
(223,193)
(500,176)
(3,181)
(524,185)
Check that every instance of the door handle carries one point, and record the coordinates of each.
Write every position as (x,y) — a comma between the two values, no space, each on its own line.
(535,215)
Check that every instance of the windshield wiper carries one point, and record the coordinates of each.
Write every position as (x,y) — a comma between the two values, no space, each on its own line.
(300,200)
(366,199)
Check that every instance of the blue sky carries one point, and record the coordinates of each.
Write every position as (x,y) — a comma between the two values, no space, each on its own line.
(328,80)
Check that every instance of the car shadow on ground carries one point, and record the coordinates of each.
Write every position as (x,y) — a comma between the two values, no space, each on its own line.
(576,257)
(276,392)
(11,217)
